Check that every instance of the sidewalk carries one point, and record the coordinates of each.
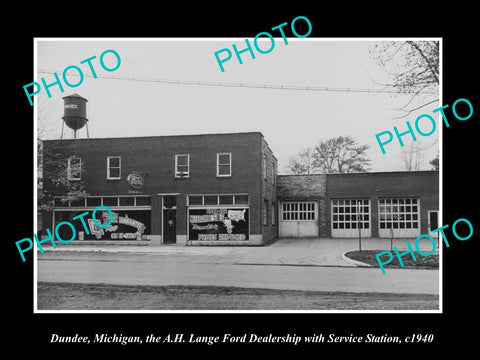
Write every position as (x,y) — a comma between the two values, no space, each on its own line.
(288,251)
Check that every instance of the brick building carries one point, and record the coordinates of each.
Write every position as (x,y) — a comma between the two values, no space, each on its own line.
(192,189)
(380,205)
(223,189)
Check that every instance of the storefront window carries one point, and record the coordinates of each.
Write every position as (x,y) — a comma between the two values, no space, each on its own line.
(226,199)
(94,201)
(60,203)
(77,202)
(142,201)
(220,224)
(195,200)
(110,201)
(127,201)
(241,199)
(210,200)
(126,225)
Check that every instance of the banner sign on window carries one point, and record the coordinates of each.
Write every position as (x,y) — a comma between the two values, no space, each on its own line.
(219,224)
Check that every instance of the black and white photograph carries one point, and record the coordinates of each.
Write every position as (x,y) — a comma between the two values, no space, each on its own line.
(239,181)
(260,187)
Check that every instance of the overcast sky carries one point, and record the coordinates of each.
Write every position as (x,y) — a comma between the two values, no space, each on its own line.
(290,120)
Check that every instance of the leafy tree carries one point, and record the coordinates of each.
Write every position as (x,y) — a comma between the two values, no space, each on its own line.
(52,180)
(341,154)
(52,166)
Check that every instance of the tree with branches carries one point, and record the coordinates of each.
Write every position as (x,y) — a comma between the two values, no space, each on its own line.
(413,67)
(301,163)
(341,154)
(52,180)
(414,70)
(52,169)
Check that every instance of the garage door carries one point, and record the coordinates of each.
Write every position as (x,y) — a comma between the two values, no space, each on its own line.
(351,218)
(298,219)
(399,217)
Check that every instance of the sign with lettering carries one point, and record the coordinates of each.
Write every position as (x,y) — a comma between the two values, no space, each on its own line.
(119,225)
(218,224)
(135,180)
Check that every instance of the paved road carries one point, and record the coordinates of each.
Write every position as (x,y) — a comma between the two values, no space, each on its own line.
(313,278)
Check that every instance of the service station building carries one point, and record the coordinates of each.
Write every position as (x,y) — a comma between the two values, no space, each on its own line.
(223,189)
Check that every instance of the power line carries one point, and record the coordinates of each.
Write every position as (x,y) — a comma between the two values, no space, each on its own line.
(246,85)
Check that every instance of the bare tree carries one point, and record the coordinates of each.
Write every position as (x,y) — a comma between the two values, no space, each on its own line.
(412,157)
(301,163)
(341,154)
(414,69)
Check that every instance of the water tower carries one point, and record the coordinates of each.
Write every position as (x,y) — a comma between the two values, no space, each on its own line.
(75,113)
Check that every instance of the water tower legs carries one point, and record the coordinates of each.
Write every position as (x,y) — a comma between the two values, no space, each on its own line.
(61,135)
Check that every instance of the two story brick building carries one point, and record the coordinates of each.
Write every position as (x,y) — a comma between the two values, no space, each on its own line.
(191,189)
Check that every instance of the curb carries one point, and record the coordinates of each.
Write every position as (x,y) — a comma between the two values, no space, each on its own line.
(354,262)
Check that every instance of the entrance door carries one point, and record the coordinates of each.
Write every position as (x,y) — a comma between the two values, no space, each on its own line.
(433,223)
(169,226)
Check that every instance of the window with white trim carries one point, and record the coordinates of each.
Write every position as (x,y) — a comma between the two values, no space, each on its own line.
(298,211)
(351,214)
(182,165)
(224,164)
(398,213)
(114,165)
(74,168)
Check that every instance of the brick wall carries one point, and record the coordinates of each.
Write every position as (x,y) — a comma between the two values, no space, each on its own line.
(421,184)
(303,188)
(154,158)
(269,193)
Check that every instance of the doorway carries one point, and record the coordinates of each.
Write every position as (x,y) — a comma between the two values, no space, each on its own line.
(169,226)
(433,223)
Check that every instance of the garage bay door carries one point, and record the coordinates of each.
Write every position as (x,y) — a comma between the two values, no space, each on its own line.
(351,217)
(298,219)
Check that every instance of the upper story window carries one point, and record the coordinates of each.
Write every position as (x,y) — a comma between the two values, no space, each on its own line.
(274,172)
(182,165)
(224,164)
(264,166)
(114,164)
(74,168)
